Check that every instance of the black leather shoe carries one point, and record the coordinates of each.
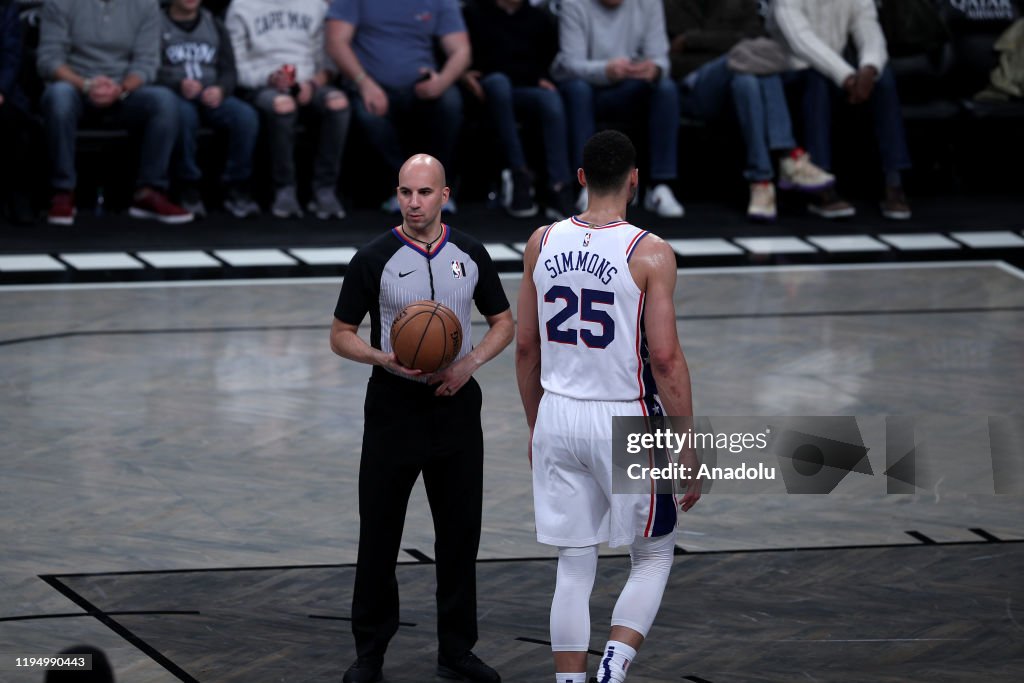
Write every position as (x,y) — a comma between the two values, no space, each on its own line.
(364,670)
(466,667)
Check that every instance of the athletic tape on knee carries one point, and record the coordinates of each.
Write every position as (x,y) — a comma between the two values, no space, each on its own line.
(641,597)
(570,605)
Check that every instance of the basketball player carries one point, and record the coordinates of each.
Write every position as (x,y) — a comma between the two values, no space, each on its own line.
(416,423)
(593,343)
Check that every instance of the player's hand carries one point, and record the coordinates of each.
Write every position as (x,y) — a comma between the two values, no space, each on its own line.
(688,458)
(190,88)
(453,377)
(213,96)
(471,79)
(546,85)
(431,87)
(617,69)
(390,362)
(374,97)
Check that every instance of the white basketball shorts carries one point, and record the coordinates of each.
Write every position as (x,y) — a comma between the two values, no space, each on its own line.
(572,478)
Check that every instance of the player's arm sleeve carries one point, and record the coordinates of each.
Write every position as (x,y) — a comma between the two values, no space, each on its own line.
(357,291)
(489,295)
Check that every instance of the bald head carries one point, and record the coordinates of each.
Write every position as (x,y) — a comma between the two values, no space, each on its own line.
(423,166)
(421,194)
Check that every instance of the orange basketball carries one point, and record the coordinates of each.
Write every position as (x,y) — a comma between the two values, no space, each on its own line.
(426,336)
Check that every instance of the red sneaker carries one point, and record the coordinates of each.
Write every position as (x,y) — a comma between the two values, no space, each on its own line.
(62,209)
(150,203)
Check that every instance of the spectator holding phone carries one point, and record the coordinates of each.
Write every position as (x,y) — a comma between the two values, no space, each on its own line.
(279,53)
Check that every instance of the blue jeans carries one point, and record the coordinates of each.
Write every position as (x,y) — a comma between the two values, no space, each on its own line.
(819,93)
(759,104)
(505,102)
(150,110)
(234,119)
(626,100)
(443,118)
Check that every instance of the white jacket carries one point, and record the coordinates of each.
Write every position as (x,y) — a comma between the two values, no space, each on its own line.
(267,34)
(816,32)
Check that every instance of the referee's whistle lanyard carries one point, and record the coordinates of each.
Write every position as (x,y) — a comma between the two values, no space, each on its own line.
(429,255)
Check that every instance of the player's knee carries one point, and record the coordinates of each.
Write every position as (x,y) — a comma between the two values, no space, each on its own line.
(577,565)
(284,104)
(336,101)
(652,557)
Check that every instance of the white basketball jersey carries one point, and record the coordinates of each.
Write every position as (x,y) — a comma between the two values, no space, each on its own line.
(591,313)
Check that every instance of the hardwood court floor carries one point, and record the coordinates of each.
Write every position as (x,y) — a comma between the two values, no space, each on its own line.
(209,427)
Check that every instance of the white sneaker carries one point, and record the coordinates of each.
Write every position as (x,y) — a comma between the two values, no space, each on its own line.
(661,201)
(796,172)
(762,202)
(582,201)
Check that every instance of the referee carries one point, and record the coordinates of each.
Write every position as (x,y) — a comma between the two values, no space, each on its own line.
(416,422)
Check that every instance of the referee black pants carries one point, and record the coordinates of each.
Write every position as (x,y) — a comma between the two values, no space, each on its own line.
(409,431)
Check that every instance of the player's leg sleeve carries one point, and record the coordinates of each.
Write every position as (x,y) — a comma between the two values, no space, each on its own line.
(640,598)
(570,606)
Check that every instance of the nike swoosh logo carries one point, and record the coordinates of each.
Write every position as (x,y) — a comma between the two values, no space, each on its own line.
(409,273)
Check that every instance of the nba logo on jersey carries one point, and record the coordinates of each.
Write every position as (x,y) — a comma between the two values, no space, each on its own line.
(458,270)
(586,240)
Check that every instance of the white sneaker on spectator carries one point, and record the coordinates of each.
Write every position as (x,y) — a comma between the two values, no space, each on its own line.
(762,202)
(286,204)
(325,204)
(796,172)
(661,201)
(391,205)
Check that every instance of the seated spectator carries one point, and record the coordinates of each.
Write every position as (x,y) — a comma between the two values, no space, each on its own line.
(100,63)
(816,33)
(701,35)
(15,121)
(386,51)
(613,65)
(513,46)
(279,55)
(198,64)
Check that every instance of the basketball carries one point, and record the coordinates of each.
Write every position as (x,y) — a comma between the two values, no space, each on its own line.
(426,336)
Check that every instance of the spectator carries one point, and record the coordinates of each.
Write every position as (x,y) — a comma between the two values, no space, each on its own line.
(386,51)
(198,64)
(514,44)
(100,59)
(701,34)
(16,123)
(613,64)
(278,46)
(816,32)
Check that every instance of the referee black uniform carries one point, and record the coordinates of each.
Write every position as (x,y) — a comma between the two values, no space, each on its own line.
(409,430)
